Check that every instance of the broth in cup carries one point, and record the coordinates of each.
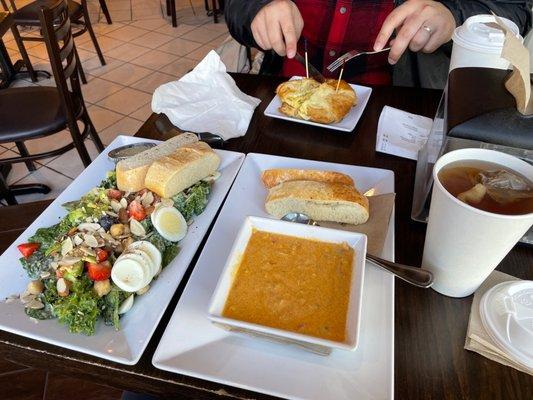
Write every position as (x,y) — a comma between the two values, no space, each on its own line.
(488,187)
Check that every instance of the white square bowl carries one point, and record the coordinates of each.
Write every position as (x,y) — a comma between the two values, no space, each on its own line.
(355,240)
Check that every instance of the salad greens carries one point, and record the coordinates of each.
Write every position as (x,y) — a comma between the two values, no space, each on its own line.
(80,309)
(110,305)
(192,201)
(66,259)
(47,237)
(110,182)
(36,264)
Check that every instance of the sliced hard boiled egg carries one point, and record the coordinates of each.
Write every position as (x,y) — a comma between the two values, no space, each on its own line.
(126,305)
(144,260)
(170,224)
(152,251)
(128,274)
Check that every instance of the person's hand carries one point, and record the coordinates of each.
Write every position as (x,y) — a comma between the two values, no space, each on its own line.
(424,25)
(278,26)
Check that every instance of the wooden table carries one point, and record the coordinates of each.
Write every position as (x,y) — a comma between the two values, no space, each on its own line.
(430,362)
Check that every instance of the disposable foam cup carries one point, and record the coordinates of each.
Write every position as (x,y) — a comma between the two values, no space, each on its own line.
(464,244)
(475,44)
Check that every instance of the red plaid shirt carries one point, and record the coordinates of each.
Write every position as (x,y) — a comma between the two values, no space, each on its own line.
(335,27)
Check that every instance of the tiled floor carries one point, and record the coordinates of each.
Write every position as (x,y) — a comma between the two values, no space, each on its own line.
(142,51)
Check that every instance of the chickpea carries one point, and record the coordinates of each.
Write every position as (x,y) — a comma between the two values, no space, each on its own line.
(116,230)
(102,287)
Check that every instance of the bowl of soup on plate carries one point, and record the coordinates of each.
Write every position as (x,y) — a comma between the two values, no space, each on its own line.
(297,283)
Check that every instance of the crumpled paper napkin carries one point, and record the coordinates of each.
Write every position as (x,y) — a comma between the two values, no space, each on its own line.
(206,100)
(477,338)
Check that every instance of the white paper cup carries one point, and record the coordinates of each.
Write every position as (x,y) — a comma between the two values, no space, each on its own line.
(477,45)
(464,244)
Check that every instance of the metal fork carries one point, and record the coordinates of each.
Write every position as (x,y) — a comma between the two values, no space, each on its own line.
(348,56)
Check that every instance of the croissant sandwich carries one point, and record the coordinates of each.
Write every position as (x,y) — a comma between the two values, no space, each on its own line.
(310,100)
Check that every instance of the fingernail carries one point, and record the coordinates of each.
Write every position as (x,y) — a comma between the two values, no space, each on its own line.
(391,61)
(291,53)
(377,46)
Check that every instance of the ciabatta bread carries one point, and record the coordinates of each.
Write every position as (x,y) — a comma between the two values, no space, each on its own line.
(273,177)
(321,201)
(131,172)
(173,173)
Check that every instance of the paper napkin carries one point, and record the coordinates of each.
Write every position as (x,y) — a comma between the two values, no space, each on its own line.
(206,100)
(477,338)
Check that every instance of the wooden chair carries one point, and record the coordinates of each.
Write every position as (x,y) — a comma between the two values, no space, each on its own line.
(36,112)
(28,16)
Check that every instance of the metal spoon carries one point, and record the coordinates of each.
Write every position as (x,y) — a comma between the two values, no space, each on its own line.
(415,276)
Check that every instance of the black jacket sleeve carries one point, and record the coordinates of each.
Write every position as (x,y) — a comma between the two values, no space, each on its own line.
(239,15)
(518,11)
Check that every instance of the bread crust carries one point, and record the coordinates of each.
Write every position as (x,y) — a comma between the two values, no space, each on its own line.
(273,177)
(309,100)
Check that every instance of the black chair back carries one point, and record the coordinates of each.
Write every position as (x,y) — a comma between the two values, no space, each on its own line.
(59,41)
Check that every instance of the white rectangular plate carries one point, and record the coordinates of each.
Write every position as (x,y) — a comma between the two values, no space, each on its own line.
(137,326)
(191,345)
(347,124)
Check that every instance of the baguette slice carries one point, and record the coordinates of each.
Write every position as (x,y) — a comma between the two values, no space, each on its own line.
(273,177)
(132,171)
(321,201)
(171,174)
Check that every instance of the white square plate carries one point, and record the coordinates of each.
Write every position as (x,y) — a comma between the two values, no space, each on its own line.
(356,241)
(137,326)
(347,124)
(191,345)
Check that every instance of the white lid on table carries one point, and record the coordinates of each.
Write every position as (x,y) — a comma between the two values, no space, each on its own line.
(507,315)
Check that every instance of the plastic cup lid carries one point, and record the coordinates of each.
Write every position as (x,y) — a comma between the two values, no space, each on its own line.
(477,34)
(507,315)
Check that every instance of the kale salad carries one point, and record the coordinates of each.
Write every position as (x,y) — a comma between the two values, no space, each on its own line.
(106,251)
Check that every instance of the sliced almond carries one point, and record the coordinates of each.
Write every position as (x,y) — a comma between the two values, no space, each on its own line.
(112,214)
(66,246)
(147,199)
(88,251)
(62,287)
(90,241)
(26,297)
(137,228)
(35,305)
(115,205)
(89,226)
(45,275)
(77,240)
(124,202)
(68,261)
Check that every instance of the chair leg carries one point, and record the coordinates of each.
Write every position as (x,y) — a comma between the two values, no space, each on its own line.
(173,13)
(87,22)
(24,53)
(5,193)
(168,7)
(79,66)
(215,12)
(103,6)
(79,143)
(24,153)
(92,130)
